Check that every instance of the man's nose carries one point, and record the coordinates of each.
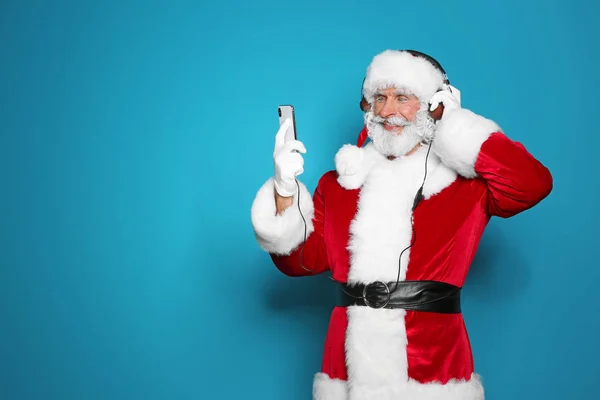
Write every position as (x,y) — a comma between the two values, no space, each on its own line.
(388,109)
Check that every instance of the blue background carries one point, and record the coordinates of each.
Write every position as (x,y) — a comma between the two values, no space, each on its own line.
(134,136)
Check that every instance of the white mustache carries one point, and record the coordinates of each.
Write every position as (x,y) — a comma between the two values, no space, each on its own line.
(392,121)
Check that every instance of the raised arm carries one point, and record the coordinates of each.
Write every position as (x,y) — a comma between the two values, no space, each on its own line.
(287,220)
(476,147)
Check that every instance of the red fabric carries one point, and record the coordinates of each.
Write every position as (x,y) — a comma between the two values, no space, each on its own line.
(449,227)
(334,354)
(325,248)
(438,347)
(515,179)
(362,137)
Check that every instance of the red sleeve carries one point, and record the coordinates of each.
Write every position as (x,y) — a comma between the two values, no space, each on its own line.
(310,257)
(516,181)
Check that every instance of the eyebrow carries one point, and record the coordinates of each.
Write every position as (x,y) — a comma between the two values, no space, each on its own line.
(409,96)
(396,94)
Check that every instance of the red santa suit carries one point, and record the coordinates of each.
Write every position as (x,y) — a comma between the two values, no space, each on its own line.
(361,217)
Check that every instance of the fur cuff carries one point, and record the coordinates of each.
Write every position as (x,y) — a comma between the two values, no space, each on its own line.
(281,234)
(326,388)
(459,137)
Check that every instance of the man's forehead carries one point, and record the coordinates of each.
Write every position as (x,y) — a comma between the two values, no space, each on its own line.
(394,91)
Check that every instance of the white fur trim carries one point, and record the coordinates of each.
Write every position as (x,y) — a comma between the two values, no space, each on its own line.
(354,163)
(382,226)
(459,137)
(376,352)
(452,390)
(326,388)
(399,69)
(376,338)
(441,176)
(280,234)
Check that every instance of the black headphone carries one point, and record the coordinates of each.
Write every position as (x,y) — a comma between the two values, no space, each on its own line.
(363,102)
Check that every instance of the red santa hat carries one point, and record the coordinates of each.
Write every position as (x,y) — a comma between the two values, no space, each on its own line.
(410,71)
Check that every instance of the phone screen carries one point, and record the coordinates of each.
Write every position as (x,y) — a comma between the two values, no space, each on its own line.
(287,112)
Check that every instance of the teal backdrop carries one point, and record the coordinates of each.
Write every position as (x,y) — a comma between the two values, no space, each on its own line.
(135,134)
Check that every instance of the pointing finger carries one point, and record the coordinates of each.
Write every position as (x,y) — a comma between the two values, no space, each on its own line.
(296,145)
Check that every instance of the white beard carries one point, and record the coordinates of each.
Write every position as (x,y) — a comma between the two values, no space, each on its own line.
(390,143)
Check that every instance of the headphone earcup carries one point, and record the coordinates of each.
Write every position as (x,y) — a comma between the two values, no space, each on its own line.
(438,112)
(364,105)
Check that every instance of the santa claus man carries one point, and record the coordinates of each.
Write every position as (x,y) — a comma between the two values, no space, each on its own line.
(397,224)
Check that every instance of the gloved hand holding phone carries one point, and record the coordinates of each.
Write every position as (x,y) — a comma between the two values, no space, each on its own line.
(288,160)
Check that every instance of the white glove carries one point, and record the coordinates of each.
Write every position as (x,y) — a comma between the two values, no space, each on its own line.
(450,97)
(288,162)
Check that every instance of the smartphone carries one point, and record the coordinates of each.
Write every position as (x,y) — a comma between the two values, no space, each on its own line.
(287,112)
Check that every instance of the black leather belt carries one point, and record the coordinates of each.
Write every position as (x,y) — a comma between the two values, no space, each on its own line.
(432,296)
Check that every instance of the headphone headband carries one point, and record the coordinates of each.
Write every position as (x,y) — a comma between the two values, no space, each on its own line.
(433,62)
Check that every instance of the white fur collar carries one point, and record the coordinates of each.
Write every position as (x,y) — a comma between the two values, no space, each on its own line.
(354,164)
(382,225)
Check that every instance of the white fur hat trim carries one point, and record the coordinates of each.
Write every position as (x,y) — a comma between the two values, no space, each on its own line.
(402,70)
